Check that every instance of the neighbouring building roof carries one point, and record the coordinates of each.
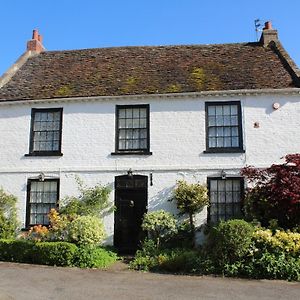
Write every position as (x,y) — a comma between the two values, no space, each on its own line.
(151,70)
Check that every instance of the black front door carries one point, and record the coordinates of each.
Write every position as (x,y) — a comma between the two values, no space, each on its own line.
(131,205)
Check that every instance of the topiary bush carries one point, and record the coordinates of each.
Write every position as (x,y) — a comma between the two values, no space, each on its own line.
(160,225)
(191,198)
(229,241)
(86,230)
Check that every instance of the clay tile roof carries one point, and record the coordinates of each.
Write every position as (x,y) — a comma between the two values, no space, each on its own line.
(148,70)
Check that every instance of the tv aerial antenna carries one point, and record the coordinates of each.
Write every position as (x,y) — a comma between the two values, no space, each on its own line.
(258,27)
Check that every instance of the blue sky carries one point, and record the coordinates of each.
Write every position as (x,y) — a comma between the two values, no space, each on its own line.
(77,24)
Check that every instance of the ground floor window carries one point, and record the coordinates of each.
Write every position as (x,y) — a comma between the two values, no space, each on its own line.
(225,198)
(41,197)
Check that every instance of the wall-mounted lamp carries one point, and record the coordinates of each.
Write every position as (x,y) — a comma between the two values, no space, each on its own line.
(223,174)
(41,176)
(130,173)
(151,179)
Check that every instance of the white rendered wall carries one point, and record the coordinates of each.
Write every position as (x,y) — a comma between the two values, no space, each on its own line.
(177,141)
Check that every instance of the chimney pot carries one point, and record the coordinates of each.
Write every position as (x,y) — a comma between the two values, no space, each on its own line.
(35,44)
(35,34)
(268,25)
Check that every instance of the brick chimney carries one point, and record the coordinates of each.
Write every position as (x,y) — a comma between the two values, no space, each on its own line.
(35,44)
(268,35)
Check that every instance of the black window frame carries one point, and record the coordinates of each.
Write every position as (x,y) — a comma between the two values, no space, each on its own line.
(242,193)
(33,152)
(145,151)
(28,203)
(240,148)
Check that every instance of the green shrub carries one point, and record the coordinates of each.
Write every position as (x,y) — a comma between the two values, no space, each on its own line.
(94,257)
(229,241)
(16,250)
(160,225)
(93,201)
(278,242)
(86,230)
(8,215)
(54,253)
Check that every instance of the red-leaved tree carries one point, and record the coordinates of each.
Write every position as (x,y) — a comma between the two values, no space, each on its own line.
(274,192)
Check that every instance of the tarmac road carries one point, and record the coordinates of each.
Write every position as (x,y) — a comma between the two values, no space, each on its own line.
(32,282)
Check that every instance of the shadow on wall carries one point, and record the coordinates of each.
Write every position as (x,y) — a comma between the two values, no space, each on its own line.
(161,200)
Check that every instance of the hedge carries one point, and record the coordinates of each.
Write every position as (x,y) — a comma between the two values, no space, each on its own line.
(55,254)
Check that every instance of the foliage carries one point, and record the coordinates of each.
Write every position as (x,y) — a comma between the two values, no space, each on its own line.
(92,201)
(230,241)
(59,225)
(275,193)
(37,233)
(279,242)
(8,215)
(190,198)
(86,230)
(160,225)
(16,250)
(54,253)
(94,257)
(168,260)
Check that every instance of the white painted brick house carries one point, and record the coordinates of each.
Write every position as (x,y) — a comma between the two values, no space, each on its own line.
(140,118)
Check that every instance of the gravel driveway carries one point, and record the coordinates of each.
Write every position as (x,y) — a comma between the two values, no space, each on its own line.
(21,281)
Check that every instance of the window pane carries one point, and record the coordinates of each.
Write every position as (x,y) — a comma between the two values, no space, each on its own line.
(143,133)
(122,123)
(122,144)
(212,142)
(233,109)
(219,110)
(143,112)
(122,134)
(212,131)
(136,123)
(226,110)
(235,142)
(234,120)
(128,123)
(220,120)
(143,123)
(122,113)
(136,113)
(211,110)
(136,133)
(143,144)
(227,142)
(211,121)
(129,113)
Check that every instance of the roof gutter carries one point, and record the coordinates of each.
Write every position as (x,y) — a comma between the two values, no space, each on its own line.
(204,94)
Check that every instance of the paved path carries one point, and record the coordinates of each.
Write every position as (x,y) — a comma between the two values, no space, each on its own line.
(21,281)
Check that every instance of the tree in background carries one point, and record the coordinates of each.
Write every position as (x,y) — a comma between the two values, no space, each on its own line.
(274,193)
(8,215)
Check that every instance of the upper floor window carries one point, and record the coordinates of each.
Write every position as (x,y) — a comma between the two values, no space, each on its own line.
(224,127)
(132,129)
(225,198)
(41,197)
(46,131)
